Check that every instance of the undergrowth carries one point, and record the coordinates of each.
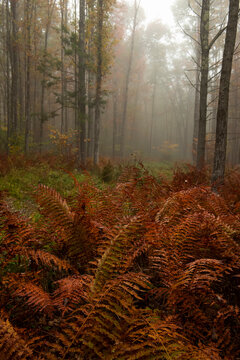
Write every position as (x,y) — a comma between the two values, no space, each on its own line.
(143,269)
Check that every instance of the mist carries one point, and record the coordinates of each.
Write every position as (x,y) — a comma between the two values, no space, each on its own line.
(143,98)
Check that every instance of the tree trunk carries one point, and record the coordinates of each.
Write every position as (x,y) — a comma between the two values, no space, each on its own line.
(62,4)
(222,112)
(27,80)
(204,35)
(90,90)
(64,125)
(14,68)
(65,85)
(9,124)
(82,82)
(152,115)
(90,115)
(98,82)
(114,126)
(197,97)
(129,68)
(76,123)
(42,113)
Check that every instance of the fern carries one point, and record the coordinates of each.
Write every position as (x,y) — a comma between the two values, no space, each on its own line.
(142,270)
(76,241)
(12,346)
(119,247)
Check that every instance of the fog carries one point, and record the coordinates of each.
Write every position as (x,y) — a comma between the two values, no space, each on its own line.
(161,99)
(160,9)
(135,93)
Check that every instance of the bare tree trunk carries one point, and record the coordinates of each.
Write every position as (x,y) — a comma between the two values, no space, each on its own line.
(235,112)
(114,125)
(222,112)
(21,95)
(9,122)
(82,82)
(28,70)
(35,134)
(204,34)
(197,96)
(133,136)
(76,122)
(152,115)
(129,68)
(62,4)
(14,68)
(65,87)
(90,116)
(90,91)
(98,81)
(64,125)
(42,113)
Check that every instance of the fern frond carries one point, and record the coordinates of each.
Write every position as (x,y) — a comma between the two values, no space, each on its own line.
(69,225)
(100,322)
(149,337)
(71,292)
(12,346)
(53,206)
(119,249)
(44,258)
(36,297)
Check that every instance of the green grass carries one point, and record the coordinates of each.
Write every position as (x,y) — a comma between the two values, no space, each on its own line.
(163,168)
(20,184)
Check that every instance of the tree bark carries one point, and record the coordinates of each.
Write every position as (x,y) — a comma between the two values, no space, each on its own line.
(152,114)
(42,113)
(114,125)
(82,82)
(27,80)
(65,85)
(128,75)
(204,35)
(98,82)
(14,68)
(223,102)
(197,96)
(90,129)
(7,42)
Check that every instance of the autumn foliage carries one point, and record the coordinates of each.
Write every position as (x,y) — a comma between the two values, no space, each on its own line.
(145,269)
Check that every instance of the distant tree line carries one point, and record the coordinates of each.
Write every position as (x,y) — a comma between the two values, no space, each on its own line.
(96,70)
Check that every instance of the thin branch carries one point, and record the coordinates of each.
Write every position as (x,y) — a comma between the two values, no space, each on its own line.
(191,83)
(188,34)
(216,37)
(191,8)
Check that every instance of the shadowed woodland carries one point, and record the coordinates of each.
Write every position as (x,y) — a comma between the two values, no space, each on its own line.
(119,181)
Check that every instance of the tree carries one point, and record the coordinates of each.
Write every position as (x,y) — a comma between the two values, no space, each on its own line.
(206,46)
(14,67)
(43,117)
(197,93)
(128,74)
(28,11)
(156,51)
(82,82)
(64,17)
(223,101)
(103,47)
(204,35)
(98,80)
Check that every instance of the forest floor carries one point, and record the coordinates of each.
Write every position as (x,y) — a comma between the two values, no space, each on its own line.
(135,261)
(19,183)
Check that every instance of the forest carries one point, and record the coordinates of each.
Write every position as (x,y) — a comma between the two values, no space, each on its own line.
(119,180)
